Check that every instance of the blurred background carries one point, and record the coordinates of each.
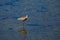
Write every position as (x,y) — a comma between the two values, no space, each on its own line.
(43,22)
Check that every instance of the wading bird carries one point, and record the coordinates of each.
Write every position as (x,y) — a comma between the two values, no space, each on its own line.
(23,18)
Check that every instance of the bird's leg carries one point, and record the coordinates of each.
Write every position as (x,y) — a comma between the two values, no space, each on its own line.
(23,24)
(23,31)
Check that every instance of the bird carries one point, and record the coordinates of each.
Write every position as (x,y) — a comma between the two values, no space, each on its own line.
(24,18)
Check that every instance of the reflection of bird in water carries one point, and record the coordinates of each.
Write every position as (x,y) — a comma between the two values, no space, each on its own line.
(23,31)
(23,18)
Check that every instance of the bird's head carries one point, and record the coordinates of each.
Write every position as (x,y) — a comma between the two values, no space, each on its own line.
(26,16)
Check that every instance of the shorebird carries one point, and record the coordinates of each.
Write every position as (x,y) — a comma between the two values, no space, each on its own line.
(23,18)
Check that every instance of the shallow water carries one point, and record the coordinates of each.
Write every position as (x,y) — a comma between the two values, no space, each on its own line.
(43,22)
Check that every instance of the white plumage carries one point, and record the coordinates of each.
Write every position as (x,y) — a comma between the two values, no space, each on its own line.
(23,18)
